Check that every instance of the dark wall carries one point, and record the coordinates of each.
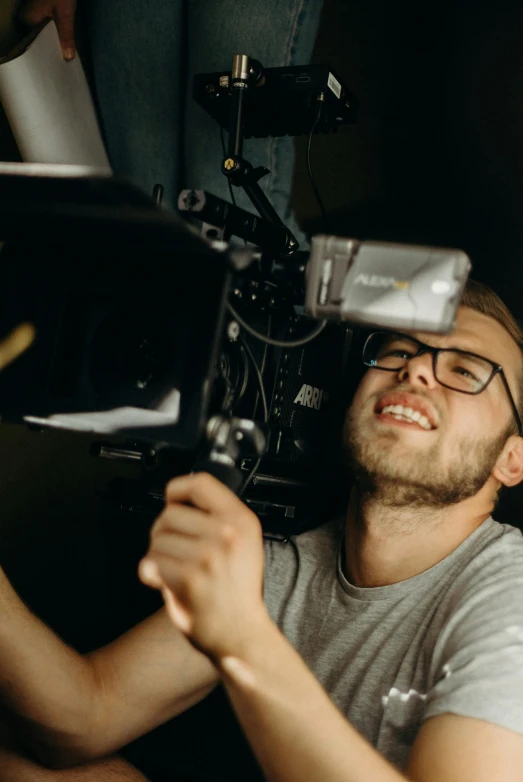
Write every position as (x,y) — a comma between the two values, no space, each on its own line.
(436,155)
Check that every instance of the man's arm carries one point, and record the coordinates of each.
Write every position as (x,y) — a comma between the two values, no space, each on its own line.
(450,747)
(297,733)
(206,559)
(295,730)
(73,708)
(15,766)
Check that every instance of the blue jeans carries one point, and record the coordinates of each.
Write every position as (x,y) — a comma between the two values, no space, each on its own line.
(144,55)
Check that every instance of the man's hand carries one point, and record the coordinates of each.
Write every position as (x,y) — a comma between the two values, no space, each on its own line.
(206,555)
(34,12)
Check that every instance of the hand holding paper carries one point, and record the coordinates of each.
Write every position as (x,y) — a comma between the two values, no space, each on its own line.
(33,12)
(48,102)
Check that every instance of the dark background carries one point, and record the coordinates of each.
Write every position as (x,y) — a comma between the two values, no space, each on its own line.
(437,154)
(436,157)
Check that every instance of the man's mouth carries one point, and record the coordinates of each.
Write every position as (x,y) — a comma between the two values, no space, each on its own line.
(401,413)
(406,408)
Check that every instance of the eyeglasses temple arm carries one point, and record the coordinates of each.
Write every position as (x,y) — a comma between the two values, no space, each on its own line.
(514,408)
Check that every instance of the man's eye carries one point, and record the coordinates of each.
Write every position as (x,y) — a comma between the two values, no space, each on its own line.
(466,373)
(398,353)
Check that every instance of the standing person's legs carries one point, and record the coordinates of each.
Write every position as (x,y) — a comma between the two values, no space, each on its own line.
(136,53)
(275,32)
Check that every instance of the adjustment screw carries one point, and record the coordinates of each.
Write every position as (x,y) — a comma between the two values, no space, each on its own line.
(233,331)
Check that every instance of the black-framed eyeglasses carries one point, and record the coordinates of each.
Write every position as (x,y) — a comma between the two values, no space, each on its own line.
(456,369)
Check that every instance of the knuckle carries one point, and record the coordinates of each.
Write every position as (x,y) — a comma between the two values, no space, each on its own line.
(185,576)
(159,525)
(191,579)
(207,561)
(153,532)
(164,524)
(228,534)
(202,480)
(169,485)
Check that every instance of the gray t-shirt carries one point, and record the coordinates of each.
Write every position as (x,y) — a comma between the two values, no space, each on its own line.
(447,640)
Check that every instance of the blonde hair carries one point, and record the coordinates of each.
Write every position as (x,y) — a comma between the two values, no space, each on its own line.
(481,298)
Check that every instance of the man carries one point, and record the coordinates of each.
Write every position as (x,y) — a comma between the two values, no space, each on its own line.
(408,611)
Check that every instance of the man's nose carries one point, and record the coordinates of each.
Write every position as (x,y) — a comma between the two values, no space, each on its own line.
(419,369)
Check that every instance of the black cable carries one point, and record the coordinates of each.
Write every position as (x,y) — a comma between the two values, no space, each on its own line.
(296,343)
(222,136)
(250,476)
(259,378)
(245,376)
(268,336)
(309,168)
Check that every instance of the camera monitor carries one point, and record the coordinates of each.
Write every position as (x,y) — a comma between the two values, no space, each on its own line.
(282,102)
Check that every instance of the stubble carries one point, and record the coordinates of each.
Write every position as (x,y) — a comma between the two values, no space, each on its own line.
(398,475)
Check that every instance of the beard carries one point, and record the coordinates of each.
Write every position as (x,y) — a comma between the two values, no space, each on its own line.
(399,476)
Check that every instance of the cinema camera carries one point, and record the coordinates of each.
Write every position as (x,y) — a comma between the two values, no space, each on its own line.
(190,351)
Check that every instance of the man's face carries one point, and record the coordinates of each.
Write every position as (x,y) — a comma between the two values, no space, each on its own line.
(404,462)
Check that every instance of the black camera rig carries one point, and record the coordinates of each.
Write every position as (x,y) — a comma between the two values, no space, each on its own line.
(191,353)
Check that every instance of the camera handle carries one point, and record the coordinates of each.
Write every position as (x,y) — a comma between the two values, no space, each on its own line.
(230,440)
(240,172)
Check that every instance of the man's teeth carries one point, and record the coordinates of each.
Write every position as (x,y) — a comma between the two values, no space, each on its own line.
(407,414)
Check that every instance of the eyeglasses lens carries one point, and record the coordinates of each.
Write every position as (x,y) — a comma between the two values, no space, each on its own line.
(454,369)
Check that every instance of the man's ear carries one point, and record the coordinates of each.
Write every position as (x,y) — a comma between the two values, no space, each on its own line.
(509,467)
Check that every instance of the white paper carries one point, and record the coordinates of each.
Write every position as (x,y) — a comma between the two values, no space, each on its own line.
(49,106)
(106,422)
(119,419)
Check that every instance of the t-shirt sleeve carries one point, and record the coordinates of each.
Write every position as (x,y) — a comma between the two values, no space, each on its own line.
(477,664)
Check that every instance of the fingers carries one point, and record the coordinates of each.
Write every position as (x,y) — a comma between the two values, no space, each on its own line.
(157,570)
(179,617)
(150,575)
(199,505)
(206,558)
(35,11)
(183,519)
(64,13)
(183,548)
(204,491)
(163,572)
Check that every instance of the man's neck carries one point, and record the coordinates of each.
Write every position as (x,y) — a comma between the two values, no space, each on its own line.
(385,545)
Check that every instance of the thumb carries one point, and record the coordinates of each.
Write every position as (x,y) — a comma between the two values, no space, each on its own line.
(150,575)
(177,614)
(64,14)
